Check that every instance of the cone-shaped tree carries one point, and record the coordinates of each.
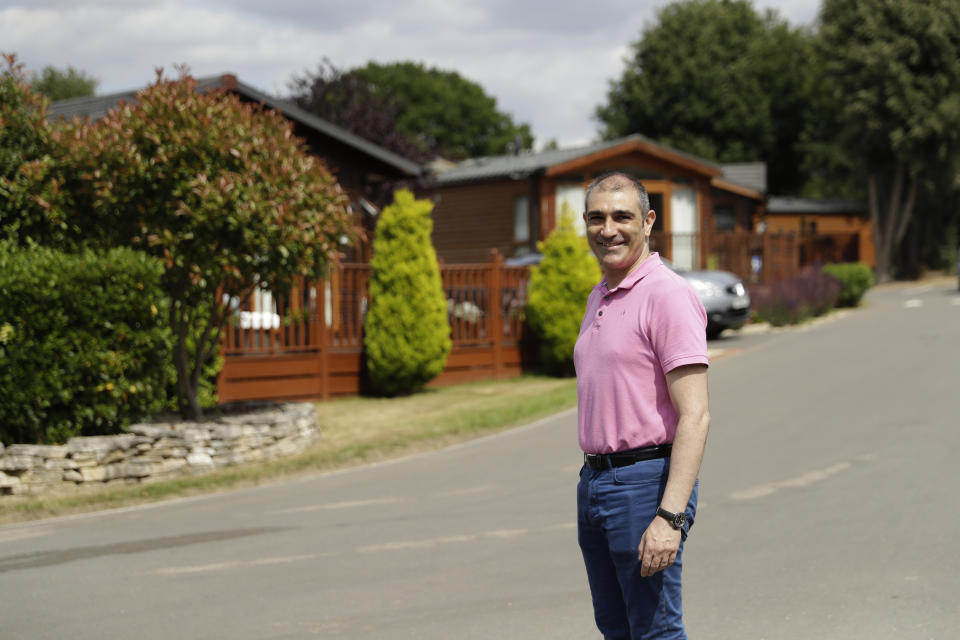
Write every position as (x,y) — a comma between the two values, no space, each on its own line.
(407,335)
(559,288)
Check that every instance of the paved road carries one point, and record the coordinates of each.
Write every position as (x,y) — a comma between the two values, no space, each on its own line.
(827,512)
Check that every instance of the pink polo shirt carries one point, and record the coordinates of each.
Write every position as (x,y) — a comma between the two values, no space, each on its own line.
(630,338)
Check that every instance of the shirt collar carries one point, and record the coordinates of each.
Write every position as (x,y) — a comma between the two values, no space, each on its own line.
(649,264)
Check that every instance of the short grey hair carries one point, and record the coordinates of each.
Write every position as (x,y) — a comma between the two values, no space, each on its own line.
(618,181)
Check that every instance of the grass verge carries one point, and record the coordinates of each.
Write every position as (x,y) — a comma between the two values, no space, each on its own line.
(355,431)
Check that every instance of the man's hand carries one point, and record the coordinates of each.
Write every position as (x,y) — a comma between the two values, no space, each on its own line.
(658,547)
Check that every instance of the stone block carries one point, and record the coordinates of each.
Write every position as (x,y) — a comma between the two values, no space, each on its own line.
(8,484)
(116,456)
(17,463)
(38,450)
(151,431)
(169,442)
(100,446)
(61,464)
(172,464)
(93,474)
(84,460)
(199,459)
(138,468)
(227,431)
(71,475)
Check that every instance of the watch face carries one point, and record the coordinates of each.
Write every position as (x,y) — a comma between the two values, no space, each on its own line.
(679,520)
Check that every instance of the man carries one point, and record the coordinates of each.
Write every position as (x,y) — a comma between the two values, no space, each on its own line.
(641,361)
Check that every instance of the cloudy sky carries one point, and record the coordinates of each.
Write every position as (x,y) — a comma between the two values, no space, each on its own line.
(547,63)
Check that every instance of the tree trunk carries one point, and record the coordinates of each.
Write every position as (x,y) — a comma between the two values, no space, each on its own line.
(890,213)
(186,387)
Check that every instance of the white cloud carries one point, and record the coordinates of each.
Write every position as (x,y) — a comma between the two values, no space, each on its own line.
(547,63)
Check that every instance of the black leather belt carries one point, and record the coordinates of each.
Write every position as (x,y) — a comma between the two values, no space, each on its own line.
(597,461)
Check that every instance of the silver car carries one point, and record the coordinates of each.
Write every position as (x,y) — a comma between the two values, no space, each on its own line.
(723,295)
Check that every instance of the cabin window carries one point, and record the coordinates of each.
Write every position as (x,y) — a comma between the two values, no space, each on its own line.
(724,217)
(521,219)
(572,195)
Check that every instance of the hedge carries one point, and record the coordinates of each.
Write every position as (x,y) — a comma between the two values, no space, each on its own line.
(84,344)
(855,277)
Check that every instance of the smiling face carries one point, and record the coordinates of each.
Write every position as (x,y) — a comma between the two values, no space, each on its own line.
(618,231)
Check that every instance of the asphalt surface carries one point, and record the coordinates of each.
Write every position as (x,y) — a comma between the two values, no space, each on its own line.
(827,511)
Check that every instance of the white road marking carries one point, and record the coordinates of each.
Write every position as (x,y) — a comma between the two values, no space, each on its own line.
(430,543)
(912,291)
(287,559)
(807,479)
(463,492)
(199,568)
(347,504)
(234,564)
(912,303)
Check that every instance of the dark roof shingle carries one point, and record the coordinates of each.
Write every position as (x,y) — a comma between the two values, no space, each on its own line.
(97,107)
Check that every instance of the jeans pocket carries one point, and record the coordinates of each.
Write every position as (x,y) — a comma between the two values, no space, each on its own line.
(645,472)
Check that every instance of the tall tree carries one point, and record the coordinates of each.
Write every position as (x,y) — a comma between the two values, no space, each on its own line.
(717,79)
(892,76)
(348,100)
(437,112)
(58,84)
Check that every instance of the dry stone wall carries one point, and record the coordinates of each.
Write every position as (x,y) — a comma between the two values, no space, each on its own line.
(158,450)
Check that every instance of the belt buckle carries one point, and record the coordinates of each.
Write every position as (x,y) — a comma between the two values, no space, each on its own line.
(594,460)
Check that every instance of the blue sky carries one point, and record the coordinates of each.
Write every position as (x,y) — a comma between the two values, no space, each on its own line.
(547,63)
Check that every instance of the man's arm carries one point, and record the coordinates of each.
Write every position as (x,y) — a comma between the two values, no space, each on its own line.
(688,391)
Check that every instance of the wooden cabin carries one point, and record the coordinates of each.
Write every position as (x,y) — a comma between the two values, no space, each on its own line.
(511,202)
(827,230)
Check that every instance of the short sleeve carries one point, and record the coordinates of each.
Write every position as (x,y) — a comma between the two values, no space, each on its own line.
(678,328)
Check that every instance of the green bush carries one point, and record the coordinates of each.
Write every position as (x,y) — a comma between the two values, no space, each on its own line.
(855,277)
(84,344)
(407,335)
(559,288)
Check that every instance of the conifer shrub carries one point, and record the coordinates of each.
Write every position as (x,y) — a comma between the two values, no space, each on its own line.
(84,343)
(855,277)
(559,288)
(406,331)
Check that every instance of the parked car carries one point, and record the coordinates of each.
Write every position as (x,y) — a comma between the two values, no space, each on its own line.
(722,293)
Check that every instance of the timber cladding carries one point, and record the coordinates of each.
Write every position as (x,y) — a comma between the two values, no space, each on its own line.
(471,219)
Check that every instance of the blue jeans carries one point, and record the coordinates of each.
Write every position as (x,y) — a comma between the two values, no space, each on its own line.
(614,507)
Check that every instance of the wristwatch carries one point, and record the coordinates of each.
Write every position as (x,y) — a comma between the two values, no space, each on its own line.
(676,520)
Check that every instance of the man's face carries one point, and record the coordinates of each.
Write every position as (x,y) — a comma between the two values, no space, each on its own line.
(617,230)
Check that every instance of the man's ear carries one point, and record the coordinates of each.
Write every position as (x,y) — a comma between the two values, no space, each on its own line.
(649,220)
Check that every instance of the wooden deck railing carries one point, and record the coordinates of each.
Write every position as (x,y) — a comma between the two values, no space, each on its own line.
(311,344)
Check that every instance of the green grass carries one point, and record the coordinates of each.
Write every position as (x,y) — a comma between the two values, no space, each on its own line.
(354,431)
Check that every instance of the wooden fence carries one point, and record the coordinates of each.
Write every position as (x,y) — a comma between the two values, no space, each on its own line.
(311,345)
